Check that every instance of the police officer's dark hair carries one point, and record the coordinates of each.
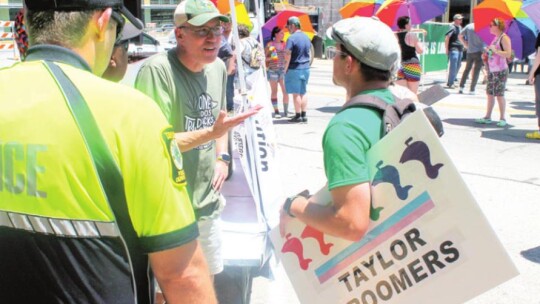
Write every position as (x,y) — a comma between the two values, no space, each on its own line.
(403,21)
(59,28)
(369,73)
(243,31)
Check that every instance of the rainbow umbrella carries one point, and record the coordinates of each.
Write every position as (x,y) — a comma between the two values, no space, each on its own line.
(519,27)
(280,20)
(532,8)
(419,11)
(362,8)
(242,16)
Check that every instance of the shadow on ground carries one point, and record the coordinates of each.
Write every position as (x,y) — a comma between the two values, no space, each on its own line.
(329,109)
(491,131)
(468,122)
(509,135)
(532,254)
(522,105)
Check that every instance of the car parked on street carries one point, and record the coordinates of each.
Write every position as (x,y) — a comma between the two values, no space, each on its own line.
(166,27)
(144,46)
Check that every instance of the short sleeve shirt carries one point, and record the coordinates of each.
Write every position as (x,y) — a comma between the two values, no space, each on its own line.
(476,44)
(299,45)
(454,43)
(190,101)
(347,139)
(72,236)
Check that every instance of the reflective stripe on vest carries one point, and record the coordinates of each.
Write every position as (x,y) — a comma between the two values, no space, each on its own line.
(59,227)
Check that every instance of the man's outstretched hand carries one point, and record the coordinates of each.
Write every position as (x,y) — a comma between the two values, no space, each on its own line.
(224,122)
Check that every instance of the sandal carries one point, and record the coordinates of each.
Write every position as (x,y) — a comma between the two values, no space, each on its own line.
(533,135)
(484,121)
(502,123)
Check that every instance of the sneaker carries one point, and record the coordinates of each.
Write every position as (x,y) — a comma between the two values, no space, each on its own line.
(304,119)
(502,123)
(296,119)
(460,90)
(533,135)
(483,121)
(277,115)
(453,86)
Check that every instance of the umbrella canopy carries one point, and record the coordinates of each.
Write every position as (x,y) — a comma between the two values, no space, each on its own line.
(362,8)
(532,8)
(519,27)
(419,11)
(242,16)
(280,20)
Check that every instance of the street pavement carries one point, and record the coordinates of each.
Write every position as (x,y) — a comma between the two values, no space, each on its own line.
(500,166)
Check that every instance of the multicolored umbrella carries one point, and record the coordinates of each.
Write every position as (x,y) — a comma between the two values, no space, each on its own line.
(532,8)
(419,11)
(242,16)
(362,8)
(280,20)
(519,27)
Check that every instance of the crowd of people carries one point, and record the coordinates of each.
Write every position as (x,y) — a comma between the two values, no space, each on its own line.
(114,195)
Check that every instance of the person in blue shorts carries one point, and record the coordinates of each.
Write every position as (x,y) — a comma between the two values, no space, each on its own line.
(298,58)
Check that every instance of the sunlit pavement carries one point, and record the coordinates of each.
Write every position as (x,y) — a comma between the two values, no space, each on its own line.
(500,166)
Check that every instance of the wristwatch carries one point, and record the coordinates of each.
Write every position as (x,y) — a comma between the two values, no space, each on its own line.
(224,157)
(288,203)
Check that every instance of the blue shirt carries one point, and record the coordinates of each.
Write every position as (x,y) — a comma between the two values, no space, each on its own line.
(299,45)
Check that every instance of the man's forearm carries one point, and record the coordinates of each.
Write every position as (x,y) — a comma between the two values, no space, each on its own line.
(189,140)
(183,275)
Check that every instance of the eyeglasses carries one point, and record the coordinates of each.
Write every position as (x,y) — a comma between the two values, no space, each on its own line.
(119,25)
(332,55)
(205,31)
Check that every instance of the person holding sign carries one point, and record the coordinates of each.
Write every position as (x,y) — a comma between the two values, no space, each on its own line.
(367,55)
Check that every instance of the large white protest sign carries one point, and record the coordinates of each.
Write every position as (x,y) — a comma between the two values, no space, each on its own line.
(253,192)
(428,241)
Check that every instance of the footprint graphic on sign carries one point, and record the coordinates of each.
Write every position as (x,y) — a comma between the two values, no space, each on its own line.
(419,151)
(390,174)
(310,232)
(294,245)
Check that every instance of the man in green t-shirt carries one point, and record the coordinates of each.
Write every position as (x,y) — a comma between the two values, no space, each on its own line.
(189,85)
(367,55)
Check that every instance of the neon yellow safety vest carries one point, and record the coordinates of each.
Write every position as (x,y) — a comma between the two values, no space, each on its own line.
(60,240)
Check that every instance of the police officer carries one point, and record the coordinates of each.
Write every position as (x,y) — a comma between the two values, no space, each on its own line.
(74,229)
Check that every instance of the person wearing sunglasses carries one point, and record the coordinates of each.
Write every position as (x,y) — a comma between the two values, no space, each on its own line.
(367,56)
(496,55)
(96,203)
(119,59)
(189,85)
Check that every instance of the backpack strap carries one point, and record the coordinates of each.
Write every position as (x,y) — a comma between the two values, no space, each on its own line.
(392,114)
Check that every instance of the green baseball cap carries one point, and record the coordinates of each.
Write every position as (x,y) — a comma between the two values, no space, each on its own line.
(368,40)
(197,12)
